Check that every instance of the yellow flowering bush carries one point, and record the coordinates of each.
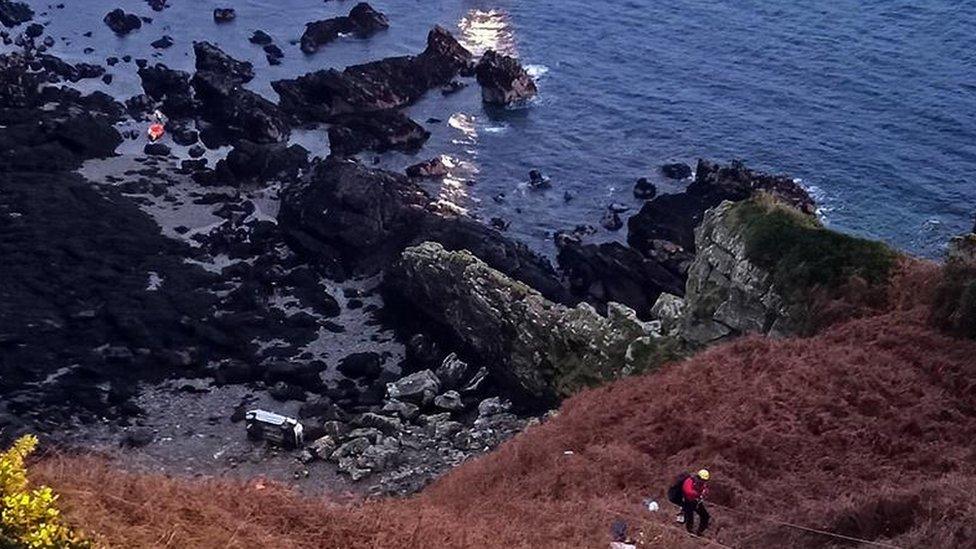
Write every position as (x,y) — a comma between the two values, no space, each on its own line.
(29,518)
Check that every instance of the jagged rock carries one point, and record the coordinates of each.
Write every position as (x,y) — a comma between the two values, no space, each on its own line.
(962,250)
(196,151)
(450,401)
(644,189)
(362,22)
(677,170)
(727,294)
(476,380)
(379,457)
(452,372)
(320,407)
(670,310)
(171,87)
(273,54)
(157,5)
(432,168)
(137,438)
(283,391)
(210,58)
(493,406)
(381,85)
(156,149)
(366,365)
(14,13)
(403,409)
(503,80)
(34,30)
(122,23)
(541,348)
(538,181)
(371,434)
(611,221)
(323,447)
(377,131)
(335,429)
(260,38)
(387,425)
(673,217)
(354,219)
(162,43)
(601,273)
(249,161)
(224,15)
(240,112)
(419,388)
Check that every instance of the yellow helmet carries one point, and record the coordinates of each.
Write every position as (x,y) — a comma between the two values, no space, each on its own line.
(703,474)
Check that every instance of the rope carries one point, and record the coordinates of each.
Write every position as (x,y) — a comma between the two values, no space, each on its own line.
(808,529)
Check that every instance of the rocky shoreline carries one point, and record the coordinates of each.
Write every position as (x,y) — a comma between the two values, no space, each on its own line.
(406,335)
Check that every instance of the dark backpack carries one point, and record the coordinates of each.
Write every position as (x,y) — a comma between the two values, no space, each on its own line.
(676,493)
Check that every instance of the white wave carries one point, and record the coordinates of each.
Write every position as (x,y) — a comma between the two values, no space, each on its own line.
(536,71)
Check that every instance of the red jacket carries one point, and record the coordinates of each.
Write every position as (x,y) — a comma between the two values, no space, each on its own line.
(694,489)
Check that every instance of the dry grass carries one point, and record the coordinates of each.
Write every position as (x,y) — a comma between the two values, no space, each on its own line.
(865,429)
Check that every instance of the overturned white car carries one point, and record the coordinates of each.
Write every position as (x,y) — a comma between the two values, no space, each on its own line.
(275,428)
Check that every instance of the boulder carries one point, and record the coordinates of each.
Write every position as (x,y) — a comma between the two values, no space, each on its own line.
(677,170)
(34,30)
(366,365)
(450,401)
(644,189)
(432,168)
(362,22)
(14,13)
(170,86)
(263,162)
(536,347)
(377,131)
(418,388)
(241,113)
(156,149)
(122,23)
(404,409)
(381,85)
(224,15)
(162,43)
(260,38)
(210,58)
(493,406)
(323,447)
(453,372)
(503,80)
(612,272)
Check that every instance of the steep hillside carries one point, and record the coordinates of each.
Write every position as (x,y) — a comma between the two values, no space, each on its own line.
(864,430)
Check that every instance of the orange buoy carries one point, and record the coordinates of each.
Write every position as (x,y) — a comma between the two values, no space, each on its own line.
(156,131)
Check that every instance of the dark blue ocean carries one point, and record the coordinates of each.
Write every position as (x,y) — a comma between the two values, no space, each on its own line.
(871,103)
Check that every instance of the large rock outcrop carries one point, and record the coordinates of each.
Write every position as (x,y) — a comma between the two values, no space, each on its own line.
(243,114)
(362,22)
(503,80)
(670,219)
(537,347)
(764,267)
(385,84)
(352,219)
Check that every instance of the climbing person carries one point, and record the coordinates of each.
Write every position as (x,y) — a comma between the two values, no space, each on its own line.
(158,126)
(688,492)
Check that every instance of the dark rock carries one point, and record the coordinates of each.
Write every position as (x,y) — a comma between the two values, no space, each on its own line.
(137,438)
(673,217)
(156,149)
(381,85)
(503,80)
(107,78)
(157,5)
(196,151)
(183,134)
(283,391)
(361,365)
(240,112)
(210,58)
(500,224)
(611,221)
(142,63)
(432,168)
(451,401)
(162,43)
(453,372)
(644,189)
(362,22)
(610,271)
(190,166)
(538,181)
(452,87)
(126,58)
(34,30)
(111,61)
(419,388)
(273,51)
(169,86)
(249,161)
(320,407)
(678,170)
(224,15)
(14,13)
(260,38)
(122,23)
(378,131)
(372,215)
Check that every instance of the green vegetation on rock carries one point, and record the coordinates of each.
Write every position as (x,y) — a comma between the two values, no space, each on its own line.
(801,254)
